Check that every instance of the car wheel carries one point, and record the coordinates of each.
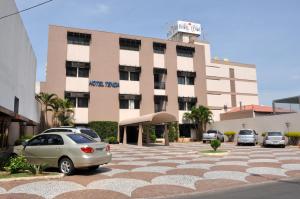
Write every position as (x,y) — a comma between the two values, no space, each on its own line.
(66,166)
(93,168)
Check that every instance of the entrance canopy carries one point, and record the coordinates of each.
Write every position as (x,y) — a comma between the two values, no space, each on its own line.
(153,118)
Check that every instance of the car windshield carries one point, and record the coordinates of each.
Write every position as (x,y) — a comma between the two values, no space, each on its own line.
(81,139)
(210,131)
(89,132)
(274,134)
(245,132)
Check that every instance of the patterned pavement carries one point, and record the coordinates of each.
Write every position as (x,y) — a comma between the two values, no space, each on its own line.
(158,171)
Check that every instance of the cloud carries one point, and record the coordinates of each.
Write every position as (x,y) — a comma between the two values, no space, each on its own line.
(101,8)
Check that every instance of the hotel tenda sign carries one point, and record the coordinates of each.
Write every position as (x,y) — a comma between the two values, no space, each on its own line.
(184,27)
(107,84)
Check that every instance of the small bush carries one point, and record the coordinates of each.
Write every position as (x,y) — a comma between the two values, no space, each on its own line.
(105,129)
(264,134)
(17,164)
(36,169)
(230,135)
(22,139)
(173,132)
(152,136)
(215,144)
(112,140)
(294,137)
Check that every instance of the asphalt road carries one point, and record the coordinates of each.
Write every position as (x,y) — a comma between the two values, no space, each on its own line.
(284,189)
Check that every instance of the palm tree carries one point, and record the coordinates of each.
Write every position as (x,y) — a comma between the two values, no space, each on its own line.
(46,100)
(200,117)
(65,112)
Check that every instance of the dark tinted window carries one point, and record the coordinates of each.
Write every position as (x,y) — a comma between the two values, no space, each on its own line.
(190,80)
(211,131)
(123,75)
(58,130)
(182,106)
(54,140)
(274,134)
(134,76)
(37,141)
(245,132)
(81,139)
(124,104)
(137,104)
(89,132)
(72,100)
(190,105)
(82,102)
(181,80)
(83,72)
(71,72)
(78,38)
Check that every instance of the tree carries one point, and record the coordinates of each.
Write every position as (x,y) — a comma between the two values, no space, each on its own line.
(63,112)
(200,117)
(46,100)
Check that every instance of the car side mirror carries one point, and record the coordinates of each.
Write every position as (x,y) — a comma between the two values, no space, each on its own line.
(25,143)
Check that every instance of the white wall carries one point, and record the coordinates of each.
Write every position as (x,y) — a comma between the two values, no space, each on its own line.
(218,85)
(17,64)
(185,63)
(128,113)
(245,73)
(245,87)
(78,53)
(219,100)
(129,57)
(186,90)
(77,84)
(129,87)
(261,124)
(159,92)
(247,100)
(159,60)
(180,116)
(81,115)
(217,71)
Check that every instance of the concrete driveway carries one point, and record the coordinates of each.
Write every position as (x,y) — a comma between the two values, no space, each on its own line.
(159,171)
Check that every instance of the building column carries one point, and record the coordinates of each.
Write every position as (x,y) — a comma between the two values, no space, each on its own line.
(118,135)
(140,136)
(125,135)
(166,135)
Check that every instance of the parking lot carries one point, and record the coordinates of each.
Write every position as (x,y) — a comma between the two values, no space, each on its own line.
(157,171)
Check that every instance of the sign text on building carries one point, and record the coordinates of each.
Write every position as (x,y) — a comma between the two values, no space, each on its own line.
(107,84)
(185,27)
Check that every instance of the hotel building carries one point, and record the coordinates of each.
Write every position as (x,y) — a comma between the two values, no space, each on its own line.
(114,77)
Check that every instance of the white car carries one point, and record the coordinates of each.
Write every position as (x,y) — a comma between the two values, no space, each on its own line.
(84,130)
(274,139)
(247,136)
(212,135)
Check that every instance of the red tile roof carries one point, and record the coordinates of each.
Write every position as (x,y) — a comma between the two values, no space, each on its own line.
(256,108)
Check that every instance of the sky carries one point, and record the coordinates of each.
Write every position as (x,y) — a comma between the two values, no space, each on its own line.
(261,32)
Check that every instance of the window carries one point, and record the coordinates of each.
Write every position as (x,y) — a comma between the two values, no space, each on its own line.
(54,140)
(129,44)
(83,72)
(89,132)
(124,75)
(131,104)
(124,104)
(159,48)
(190,105)
(181,80)
(82,102)
(182,106)
(78,38)
(72,100)
(71,72)
(190,80)
(37,141)
(81,139)
(77,69)
(134,76)
(185,51)
(186,103)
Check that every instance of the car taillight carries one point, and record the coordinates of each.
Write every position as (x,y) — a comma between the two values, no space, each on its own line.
(107,148)
(87,149)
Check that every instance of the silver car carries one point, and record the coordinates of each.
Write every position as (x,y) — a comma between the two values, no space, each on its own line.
(84,130)
(212,135)
(274,139)
(247,136)
(65,150)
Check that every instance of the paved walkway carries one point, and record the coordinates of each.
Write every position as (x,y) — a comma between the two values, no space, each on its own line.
(141,172)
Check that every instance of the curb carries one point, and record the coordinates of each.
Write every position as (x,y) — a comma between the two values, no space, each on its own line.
(60,175)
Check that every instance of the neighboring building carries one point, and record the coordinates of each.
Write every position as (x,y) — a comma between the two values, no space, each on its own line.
(250,111)
(113,77)
(18,107)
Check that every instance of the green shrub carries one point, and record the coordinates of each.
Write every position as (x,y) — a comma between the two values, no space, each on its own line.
(173,132)
(22,139)
(215,144)
(294,137)
(152,136)
(230,135)
(36,168)
(17,164)
(112,140)
(264,134)
(105,129)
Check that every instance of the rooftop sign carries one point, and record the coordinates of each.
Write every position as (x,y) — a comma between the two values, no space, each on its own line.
(184,27)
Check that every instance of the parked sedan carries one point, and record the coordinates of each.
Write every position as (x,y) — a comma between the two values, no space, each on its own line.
(213,135)
(247,136)
(274,139)
(65,150)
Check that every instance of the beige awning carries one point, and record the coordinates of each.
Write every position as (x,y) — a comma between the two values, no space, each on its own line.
(154,118)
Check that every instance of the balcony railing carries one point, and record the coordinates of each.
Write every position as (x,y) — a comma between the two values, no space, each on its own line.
(159,85)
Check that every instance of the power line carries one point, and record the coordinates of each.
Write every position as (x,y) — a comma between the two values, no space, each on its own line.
(25,9)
